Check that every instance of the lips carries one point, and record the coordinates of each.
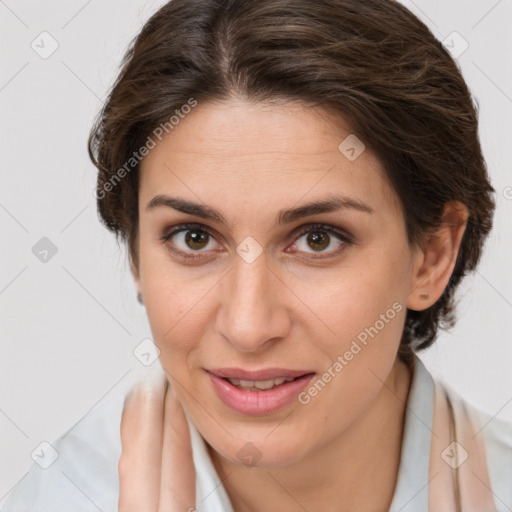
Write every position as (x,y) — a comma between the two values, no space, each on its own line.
(258,392)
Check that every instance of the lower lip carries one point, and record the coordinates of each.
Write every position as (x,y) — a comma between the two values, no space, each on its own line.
(258,402)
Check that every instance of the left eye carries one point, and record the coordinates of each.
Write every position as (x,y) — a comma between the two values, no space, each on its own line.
(320,238)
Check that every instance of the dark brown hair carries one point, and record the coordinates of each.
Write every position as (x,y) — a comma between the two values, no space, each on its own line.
(372,62)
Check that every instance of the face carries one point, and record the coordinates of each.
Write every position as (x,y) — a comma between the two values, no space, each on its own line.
(252,279)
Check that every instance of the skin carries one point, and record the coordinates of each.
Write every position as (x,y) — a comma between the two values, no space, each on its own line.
(289,308)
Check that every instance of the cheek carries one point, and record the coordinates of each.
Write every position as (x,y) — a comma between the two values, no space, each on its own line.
(368,317)
(175,318)
(364,311)
(354,304)
(172,300)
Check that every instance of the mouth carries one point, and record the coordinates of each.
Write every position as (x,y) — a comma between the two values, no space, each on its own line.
(259,385)
(258,392)
(259,380)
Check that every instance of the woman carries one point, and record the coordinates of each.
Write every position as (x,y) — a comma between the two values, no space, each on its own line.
(301,189)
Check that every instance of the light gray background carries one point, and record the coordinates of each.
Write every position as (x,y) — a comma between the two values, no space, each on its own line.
(69,326)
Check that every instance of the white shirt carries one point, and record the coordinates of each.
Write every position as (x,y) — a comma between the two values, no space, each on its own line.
(84,477)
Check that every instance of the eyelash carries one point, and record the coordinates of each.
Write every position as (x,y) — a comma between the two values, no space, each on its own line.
(347,240)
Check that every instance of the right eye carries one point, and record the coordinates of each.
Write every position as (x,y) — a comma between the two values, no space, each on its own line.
(187,239)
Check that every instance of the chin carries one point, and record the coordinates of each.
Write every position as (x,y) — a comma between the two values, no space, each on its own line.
(259,448)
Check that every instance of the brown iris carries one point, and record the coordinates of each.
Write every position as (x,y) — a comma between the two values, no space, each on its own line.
(196,239)
(318,238)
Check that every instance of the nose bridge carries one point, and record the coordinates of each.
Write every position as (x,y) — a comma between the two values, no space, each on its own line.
(250,313)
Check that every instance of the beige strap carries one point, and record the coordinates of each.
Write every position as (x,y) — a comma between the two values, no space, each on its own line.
(458,473)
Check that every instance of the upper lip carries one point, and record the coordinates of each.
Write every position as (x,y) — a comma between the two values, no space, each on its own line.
(257,375)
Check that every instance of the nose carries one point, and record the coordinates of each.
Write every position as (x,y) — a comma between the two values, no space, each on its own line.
(253,314)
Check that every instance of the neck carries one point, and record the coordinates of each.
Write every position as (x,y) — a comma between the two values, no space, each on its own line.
(356,470)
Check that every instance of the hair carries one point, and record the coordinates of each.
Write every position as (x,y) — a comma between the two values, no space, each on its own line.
(373,63)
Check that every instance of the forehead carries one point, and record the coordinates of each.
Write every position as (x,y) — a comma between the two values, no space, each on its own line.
(267,150)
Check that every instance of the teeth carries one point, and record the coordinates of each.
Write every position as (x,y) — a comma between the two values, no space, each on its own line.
(267,384)
(252,385)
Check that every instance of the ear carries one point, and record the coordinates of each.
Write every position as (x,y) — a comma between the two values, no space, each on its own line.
(136,276)
(434,263)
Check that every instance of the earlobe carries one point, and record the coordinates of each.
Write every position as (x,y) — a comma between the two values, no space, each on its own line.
(136,278)
(435,262)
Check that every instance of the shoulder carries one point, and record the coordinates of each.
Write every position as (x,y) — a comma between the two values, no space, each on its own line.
(496,434)
(496,431)
(84,475)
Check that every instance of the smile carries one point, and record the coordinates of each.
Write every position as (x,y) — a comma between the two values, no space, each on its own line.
(267,392)
(259,385)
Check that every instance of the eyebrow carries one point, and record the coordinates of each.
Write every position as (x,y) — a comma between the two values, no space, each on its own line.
(330,204)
